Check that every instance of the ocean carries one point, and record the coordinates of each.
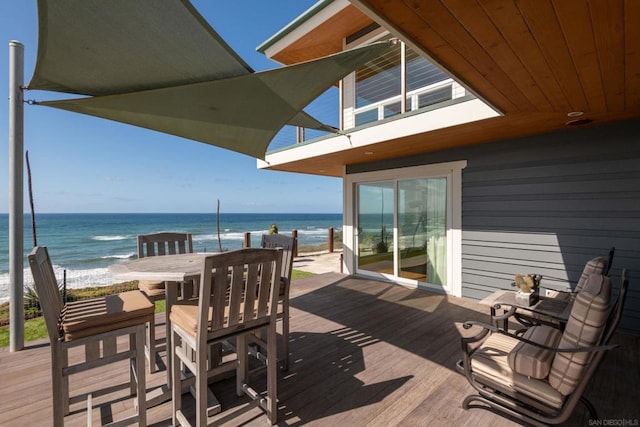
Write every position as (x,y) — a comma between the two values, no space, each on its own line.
(86,244)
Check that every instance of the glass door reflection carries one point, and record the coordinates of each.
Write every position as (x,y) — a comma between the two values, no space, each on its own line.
(375,227)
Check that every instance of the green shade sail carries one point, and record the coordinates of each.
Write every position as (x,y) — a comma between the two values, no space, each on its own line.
(158,64)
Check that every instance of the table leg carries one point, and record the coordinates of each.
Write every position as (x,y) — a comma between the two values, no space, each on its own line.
(162,394)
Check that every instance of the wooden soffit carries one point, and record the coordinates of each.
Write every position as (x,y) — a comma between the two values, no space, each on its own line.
(543,64)
(530,55)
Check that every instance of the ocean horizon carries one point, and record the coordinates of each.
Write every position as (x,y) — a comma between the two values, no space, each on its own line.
(85,244)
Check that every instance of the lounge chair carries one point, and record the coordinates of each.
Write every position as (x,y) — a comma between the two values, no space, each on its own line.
(528,316)
(540,376)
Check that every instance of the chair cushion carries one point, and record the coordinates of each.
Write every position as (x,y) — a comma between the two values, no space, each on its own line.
(491,366)
(593,266)
(584,328)
(532,361)
(151,288)
(90,317)
(185,315)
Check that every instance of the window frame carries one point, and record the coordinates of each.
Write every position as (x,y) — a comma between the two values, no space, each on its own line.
(453,172)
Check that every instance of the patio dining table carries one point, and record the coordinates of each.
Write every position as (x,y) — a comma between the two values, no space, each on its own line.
(173,270)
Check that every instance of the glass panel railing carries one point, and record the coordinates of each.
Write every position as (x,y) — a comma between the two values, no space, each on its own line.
(368,116)
(442,91)
(373,93)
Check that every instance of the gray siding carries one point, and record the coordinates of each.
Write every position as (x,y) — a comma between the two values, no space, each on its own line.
(547,204)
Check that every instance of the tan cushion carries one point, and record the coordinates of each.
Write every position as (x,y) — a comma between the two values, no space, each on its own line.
(532,361)
(89,317)
(584,328)
(151,284)
(185,315)
(490,365)
(151,288)
(593,266)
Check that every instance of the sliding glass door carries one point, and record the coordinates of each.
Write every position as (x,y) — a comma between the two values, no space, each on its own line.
(375,226)
(402,228)
(422,229)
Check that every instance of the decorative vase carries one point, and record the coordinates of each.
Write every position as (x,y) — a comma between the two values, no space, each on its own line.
(527,298)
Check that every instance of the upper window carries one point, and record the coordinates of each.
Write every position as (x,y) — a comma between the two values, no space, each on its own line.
(377,89)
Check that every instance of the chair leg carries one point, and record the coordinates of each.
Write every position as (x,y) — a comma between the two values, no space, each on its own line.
(176,390)
(64,390)
(201,387)
(242,369)
(132,364)
(60,392)
(592,410)
(151,344)
(272,374)
(285,336)
(141,392)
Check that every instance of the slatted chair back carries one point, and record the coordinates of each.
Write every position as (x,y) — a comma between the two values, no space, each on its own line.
(238,291)
(46,286)
(164,244)
(167,243)
(288,246)
(238,295)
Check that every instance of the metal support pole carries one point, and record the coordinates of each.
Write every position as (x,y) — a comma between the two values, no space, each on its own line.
(16,194)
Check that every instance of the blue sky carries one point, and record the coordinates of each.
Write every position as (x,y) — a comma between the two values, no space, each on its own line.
(86,164)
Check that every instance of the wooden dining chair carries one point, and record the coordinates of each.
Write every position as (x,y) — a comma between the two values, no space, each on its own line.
(94,324)
(167,243)
(238,295)
(288,246)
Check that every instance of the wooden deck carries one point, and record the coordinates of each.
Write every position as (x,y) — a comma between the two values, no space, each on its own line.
(363,353)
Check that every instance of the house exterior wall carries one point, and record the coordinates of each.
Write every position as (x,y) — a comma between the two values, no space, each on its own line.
(547,204)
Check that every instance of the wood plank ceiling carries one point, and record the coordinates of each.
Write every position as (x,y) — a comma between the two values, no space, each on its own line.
(533,60)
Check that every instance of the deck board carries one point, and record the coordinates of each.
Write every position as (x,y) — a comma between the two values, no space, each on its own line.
(364,353)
